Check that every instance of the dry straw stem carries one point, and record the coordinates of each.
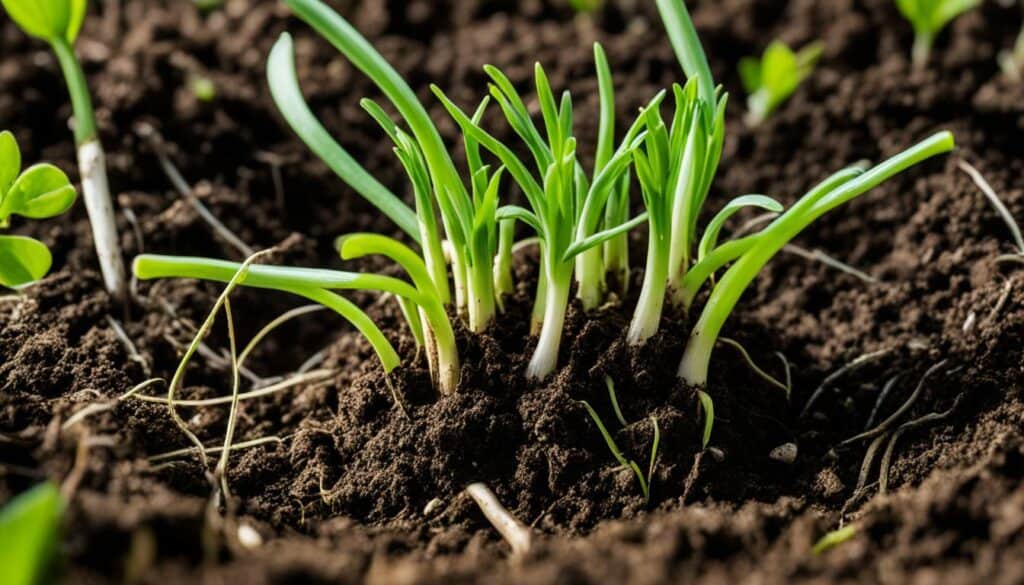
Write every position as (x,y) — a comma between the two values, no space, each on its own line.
(517,534)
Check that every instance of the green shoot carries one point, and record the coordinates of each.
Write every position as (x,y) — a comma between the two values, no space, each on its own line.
(610,384)
(586,5)
(203,88)
(675,168)
(41,191)
(929,17)
(841,188)
(58,22)
(708,407)
(208,6)
(774,77)
(565,207)
(691,146)
(757,369)
(317,285)
(1011,61)
(29,532)
(621,458)
(444,357)
(834,539)
(468,215)
(1000,207)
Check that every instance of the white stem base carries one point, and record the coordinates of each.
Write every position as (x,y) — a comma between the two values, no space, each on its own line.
(96,192)
(545,357)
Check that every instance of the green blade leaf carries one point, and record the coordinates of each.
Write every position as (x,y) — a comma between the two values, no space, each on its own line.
(711,232)
(29,527)
(40,192)
(22,260)
(602,236)
(10,163)
(284,88)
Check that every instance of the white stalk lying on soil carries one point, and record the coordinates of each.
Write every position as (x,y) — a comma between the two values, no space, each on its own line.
(515,532)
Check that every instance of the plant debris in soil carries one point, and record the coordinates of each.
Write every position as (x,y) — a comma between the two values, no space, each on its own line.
(355,491)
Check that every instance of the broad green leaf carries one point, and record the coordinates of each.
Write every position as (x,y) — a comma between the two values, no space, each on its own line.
(10,162)
(22,261)
(48,19)
(41,191)
(29,527)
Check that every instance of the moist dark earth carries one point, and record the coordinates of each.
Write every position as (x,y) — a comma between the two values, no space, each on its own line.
(357,490)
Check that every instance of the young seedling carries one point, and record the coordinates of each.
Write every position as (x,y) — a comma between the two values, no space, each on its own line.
(749,254)
(468,215)
(1000,207)
(929,17)
(643,480)
(1012,61)
(29,533)
(58,22)
(566,209)
(40,192)
(772,78)
(317,285)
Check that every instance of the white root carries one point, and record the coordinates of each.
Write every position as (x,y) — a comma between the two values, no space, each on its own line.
(515,532)
(96,192)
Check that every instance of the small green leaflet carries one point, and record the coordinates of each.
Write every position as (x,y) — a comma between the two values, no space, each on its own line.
(22,261)
(29,527)
(48,19)
(40,192)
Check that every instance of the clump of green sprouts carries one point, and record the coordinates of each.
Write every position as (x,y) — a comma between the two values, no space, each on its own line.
(462,229)
(58,22)
(39,192)
(745,256)
(929,17)
(771,79)
(566,208)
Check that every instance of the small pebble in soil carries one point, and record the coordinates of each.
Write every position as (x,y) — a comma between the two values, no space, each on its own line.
(248,537)
(784,453)
(716,454)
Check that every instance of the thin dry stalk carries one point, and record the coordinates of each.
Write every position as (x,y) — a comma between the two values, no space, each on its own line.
(516,533)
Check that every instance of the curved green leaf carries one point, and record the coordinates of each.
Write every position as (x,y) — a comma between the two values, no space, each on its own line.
(711,232)
(40,192)
(10,162)
(287,95)
(29,527)
(48,19)
(22,260)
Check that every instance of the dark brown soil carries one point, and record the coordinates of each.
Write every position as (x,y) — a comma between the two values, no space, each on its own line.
(358,492)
